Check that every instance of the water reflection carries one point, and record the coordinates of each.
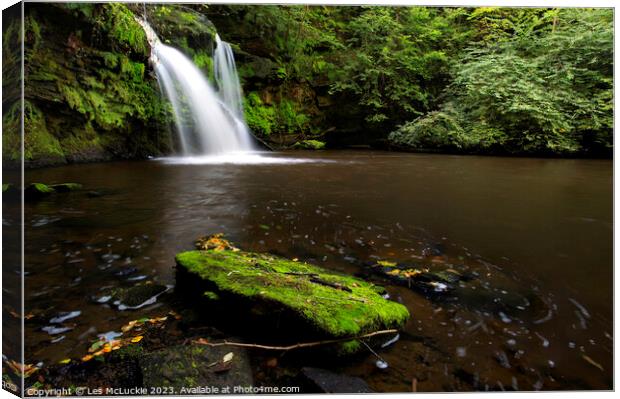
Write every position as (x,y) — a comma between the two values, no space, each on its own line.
(530,240)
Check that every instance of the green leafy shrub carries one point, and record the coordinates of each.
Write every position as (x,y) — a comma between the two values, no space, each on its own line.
(439,130)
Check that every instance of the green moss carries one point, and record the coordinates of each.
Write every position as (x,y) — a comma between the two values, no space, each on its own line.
(38,189)
(132,70)
(86,9)
(11,140)
(309,145)
(204,61)
(211,295)
(123,28)
(282,117)
(129,352)
(349,347)
(38,142)
(260,118)
(5,187)
(110,59)
(353,309)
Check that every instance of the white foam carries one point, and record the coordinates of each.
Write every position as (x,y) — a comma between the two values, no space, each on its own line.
(243,158)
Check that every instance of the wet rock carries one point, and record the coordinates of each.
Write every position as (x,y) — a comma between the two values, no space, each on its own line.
(195,366)
(126,271)
(36,191)
(63,316)
(418,277)
(134,297)
(325,381)
(312,299)
(65,187)
(10,192)
(94,194)
(433,250)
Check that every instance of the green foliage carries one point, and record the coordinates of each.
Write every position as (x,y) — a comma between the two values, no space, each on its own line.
(38,142)
(203,60)
(122,28)
(133,70)
(391,55)
(546,90)
(282,117)
(440,130)
(86,9)
(260,118)
(110,108)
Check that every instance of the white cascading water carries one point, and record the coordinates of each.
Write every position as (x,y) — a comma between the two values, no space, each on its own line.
(226,77)
(208,122)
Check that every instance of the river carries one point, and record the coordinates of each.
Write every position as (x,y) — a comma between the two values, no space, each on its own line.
(537,226)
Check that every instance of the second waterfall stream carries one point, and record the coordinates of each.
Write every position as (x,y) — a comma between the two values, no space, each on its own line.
(209,122)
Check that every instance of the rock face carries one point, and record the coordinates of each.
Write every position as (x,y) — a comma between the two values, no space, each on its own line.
(88,93)
(326,304)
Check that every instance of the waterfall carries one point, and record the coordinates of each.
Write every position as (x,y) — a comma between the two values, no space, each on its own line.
(207,122)
(226,75)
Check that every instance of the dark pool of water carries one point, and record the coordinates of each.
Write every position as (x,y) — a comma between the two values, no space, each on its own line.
(533,226)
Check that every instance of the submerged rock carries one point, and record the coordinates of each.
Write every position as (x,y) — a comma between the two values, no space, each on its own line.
(10,192)
(194,367)
(134,297)
(436,280)
(65,187)
(37,190)
(327,304)
(325,381)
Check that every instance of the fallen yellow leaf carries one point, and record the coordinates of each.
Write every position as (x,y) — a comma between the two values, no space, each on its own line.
(386,263)
(65,361)
(87,358)
(137,339)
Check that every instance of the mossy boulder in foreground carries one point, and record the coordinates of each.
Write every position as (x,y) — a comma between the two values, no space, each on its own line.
(329,304)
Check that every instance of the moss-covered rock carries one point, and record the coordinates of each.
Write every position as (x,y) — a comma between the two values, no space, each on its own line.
(37,190)
(196,367)
(88,95)
(333,305)
(309,145)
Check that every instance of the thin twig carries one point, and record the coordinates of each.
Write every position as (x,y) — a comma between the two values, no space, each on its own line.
(295,346)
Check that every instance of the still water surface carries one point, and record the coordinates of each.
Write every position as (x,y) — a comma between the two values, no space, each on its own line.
(539,227)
